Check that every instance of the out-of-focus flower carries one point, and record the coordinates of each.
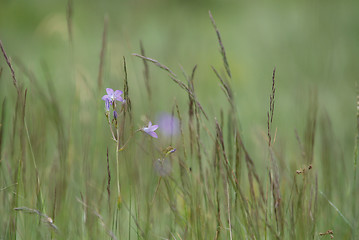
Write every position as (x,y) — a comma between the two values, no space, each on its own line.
(113,96)
(115,115)
(163,167)
(169,124)
(150,130)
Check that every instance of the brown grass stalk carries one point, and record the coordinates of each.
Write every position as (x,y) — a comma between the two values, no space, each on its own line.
(69,16)
(146,73)
(102,53)
(270,113)
(191,106)
(223,51)
(157,63)
(7,59)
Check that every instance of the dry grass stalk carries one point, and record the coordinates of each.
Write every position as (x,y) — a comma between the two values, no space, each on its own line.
(230,172)
(181,130)
(238,158)
(157,63)
(275,183)
(69,15)
(251,166)
(19,112)
(7,59)
(191,106)
(146,73)
(182,85)
(223,52)
(270,113)
(274,171)
(182,164)
(125,108)
(328,233)
(102,53)
(226,88)
(43,216)
(125,88)
(218,218)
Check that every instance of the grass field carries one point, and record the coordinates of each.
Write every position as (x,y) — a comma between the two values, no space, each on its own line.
(257,108)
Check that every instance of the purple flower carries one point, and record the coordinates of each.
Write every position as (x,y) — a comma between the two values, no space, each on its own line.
(150,130)
(115,115)
(113,96)
(107,105)
(169,125)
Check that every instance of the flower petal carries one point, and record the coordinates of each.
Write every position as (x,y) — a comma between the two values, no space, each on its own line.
(149,124)
(153,128)
(106,98)
(153,134)
(109,91)
(119,98)
(118,93)
(107,105)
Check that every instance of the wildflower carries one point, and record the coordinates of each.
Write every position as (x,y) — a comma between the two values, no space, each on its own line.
(169,125)
(115,115)
(113,96)
(150,130)
(169,150)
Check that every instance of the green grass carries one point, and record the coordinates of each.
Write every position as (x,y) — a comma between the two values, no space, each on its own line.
(261,153)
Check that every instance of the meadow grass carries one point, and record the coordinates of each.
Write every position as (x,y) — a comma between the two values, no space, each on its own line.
(80,174)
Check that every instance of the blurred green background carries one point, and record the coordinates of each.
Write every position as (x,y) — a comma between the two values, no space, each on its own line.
(313,45)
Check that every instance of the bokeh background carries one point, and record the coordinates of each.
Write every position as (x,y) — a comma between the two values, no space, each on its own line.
(313,45)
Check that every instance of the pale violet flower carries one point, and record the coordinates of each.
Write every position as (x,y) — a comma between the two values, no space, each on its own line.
(150,130)
(169,125)
(113,96)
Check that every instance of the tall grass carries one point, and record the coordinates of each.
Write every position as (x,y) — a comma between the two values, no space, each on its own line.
(84,175)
